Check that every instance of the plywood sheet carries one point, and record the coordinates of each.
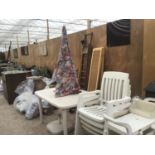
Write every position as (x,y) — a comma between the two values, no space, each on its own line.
(96,67)
(42,47)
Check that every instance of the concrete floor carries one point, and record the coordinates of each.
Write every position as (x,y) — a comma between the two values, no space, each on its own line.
(14,123)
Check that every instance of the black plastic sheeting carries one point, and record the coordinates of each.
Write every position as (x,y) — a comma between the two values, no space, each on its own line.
(118,32)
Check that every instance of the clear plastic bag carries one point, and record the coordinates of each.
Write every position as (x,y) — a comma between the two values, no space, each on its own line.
(1,86)
(25,86)
(45,104)
(27,103)
(22,101)
(32,109)
(47,81)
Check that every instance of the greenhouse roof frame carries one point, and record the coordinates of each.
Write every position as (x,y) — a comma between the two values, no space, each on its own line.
(18,29)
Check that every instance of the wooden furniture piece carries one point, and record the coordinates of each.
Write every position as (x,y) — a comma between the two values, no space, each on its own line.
(3,64)
(11,79)
(115,86)
(63,103)
(96,68)
(86,59)
(1,67)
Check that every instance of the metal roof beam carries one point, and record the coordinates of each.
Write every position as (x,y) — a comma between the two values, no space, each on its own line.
(28,26)
(63,22)
(9,30)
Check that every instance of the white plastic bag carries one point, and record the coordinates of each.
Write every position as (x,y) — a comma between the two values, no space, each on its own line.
(1,85)
(33,108)
(45,104)
(25,86)
(22,101)
(27,103)
(47,81)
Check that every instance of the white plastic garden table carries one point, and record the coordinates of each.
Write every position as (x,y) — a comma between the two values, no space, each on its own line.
(63,103)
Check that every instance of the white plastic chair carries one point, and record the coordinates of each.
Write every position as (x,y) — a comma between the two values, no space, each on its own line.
(91,107)
(131,123)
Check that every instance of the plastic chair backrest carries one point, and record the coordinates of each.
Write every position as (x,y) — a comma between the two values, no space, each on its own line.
(115,85)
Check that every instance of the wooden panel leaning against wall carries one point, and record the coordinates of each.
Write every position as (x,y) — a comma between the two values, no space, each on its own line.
(96,68)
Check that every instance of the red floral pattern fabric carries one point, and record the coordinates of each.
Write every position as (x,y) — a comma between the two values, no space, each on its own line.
(65,72)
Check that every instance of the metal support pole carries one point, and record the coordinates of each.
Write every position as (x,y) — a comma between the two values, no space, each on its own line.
(28,36)
(48,33)
(17,42)
(5,48)
(89,23)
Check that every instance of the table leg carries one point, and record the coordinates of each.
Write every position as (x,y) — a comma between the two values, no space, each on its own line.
(40,111)
(64,121)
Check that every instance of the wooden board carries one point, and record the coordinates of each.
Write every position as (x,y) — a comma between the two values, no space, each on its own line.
(15,53)
(25,50)
(96,66)
(42,48)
